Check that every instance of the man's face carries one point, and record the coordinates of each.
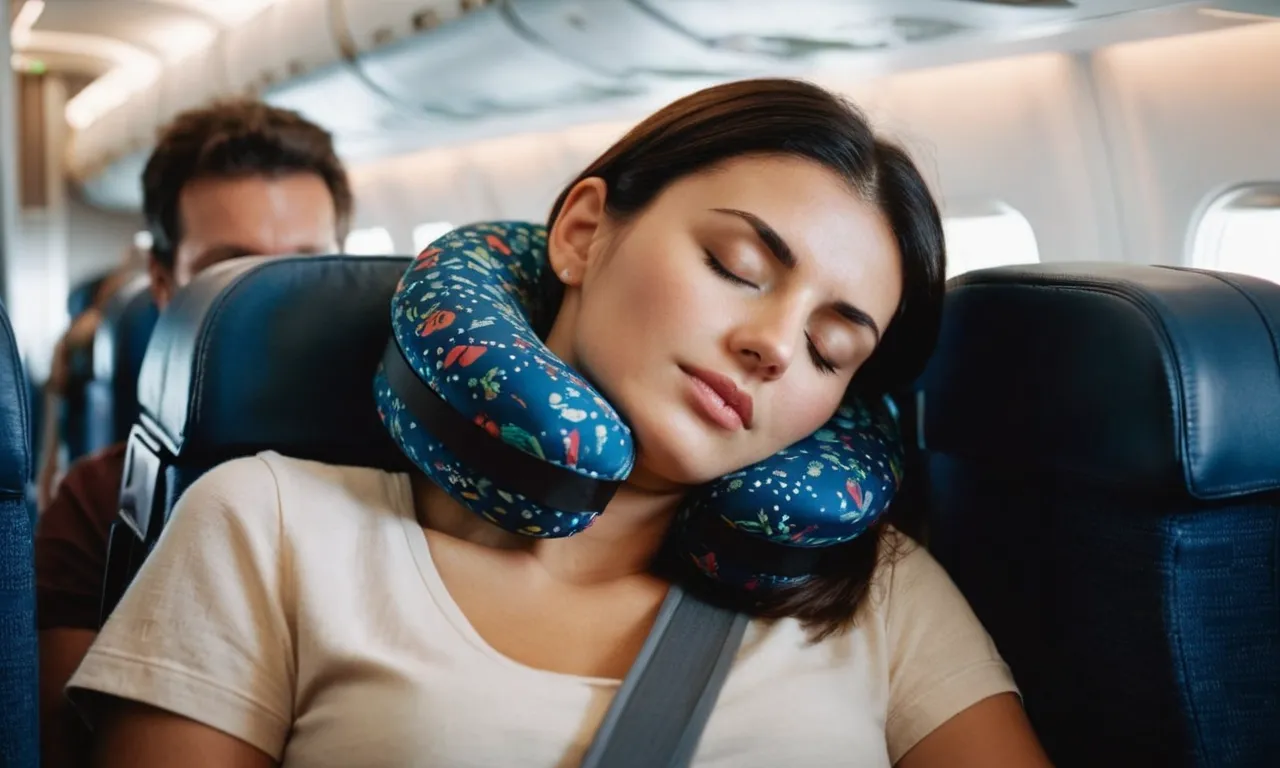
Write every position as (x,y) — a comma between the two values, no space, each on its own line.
(224,218)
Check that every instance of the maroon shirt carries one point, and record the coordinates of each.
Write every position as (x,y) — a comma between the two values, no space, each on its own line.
(71,541)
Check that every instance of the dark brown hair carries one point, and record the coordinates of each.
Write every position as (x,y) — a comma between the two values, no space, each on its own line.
(234,139)
(794,118)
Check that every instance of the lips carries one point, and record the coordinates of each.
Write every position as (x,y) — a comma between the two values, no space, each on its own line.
(722,389)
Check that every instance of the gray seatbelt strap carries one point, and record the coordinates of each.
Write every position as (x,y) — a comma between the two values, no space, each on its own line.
(657,716)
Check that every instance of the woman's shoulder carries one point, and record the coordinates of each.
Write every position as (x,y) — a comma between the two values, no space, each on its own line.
(895,545)
(269,487)
(908,580)
(279,469)
(902,561)
(904,569)
(322,476)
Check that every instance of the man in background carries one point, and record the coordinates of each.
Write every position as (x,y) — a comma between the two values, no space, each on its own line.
(235,179)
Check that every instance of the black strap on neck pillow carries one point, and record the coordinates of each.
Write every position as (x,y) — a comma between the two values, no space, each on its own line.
(510,469)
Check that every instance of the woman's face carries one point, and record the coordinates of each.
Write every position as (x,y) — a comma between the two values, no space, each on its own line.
(726,320)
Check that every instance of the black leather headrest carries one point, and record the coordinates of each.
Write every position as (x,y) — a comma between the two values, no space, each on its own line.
(274,354)
(119,345)
(127,322)
(15,432)
(1151,378)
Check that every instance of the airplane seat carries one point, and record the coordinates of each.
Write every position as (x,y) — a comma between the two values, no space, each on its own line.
(35,417)
(255,354)
(76,418)
(18,670)
(1102,445)
(118,346)
(77,408)
(909,511)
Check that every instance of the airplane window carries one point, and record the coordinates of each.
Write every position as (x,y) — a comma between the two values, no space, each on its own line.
(373,241)
(1240,232)
(425,234)
(997,237)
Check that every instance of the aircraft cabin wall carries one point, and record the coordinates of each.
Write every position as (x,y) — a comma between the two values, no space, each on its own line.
(1016,132)
(1186,119)
(1109,155)
(61,242)
(97,240)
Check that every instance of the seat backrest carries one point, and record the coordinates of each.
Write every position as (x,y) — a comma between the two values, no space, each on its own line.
(18,671)
(77,406)
(1102,445)
(35,417)
(255,354)
(118,346)
(76,418)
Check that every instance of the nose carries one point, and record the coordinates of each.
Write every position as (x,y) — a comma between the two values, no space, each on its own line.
(767,343)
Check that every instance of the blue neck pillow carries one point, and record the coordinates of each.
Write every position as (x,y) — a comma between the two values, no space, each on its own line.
(474,398)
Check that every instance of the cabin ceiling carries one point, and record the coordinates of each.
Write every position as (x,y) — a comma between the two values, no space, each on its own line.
(91,36)
(417,73)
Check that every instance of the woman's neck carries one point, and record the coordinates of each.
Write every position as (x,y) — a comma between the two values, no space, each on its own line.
(621,543)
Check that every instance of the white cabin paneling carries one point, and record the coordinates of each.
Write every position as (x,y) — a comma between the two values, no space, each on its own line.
(1187,118)
(1018,131)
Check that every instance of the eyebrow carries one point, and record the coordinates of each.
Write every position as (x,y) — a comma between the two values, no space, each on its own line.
(767,234)
(777,246)
(857,317)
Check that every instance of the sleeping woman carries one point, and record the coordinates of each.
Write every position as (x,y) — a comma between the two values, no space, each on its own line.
(732,270)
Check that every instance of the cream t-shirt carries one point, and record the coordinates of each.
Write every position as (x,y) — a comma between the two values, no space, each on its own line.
(294,605)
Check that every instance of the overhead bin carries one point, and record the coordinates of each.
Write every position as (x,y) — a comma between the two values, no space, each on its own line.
(401,75)
(626,41)
(479,65)
(290,39)
(812,28)
(190,82)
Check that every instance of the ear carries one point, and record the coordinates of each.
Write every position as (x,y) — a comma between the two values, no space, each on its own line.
(162,282)
(575,229)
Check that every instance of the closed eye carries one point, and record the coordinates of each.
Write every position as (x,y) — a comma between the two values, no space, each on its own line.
(822,363)
(722,271)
